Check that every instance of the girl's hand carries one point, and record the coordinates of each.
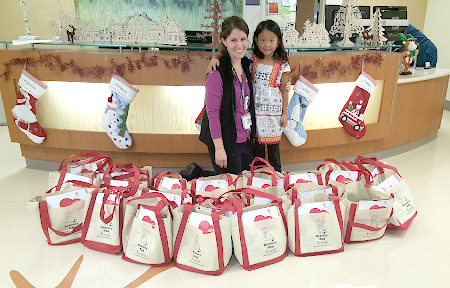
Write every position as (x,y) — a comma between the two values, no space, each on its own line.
(283,121)
(213,64)
(221,158)
(288,86)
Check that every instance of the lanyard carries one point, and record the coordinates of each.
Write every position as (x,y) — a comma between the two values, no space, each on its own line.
(244,99)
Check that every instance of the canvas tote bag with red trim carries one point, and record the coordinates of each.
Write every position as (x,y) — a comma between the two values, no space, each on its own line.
(213,186)
(165,181)
(83,167)
(291,178)
(264,178)
(102,229)
(203,241)
(366,213)
(147,230)
(305,190)
(61,214)
(315,226)
(388,180)
(259,233)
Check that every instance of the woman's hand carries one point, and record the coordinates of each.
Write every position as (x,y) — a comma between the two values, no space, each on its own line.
(213,64)
(221,158)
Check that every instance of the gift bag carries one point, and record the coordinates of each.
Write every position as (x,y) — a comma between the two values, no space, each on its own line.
(315,226)
(366,213)
(305,190)
(213,187)
(127,177)
(203,241)
(61,214)
(387,180)
(264,178)
(164,181)
(176,198)
(102,229)
(147,230)
(291,178)
(259,233)
(80,169)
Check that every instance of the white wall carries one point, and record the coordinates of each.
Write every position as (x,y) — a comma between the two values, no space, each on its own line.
(436,21)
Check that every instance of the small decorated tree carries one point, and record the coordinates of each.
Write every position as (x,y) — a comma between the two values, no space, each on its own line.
(215,10)
(376,29)
(347,22)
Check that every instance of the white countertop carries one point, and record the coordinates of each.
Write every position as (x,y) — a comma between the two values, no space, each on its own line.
(421,74)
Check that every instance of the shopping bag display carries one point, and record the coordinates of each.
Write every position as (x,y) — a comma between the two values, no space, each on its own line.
(259,233)
(61,214)
(203,241)
(387,179)
(102,229)
(147,230)
(366,213)
(165,181)
(315,226)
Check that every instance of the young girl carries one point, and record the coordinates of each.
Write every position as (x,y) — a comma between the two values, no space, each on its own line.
(269,73)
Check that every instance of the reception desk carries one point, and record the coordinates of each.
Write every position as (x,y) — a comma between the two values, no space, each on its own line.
(161,119)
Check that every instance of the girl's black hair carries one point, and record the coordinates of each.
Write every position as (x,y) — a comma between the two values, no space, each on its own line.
(272,26)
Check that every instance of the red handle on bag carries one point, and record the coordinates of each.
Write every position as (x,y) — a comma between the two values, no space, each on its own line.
(253,167)
(237,203)
(133,182)
(46,225)
(352,223)
(219,242)
(161,227)
(91,158)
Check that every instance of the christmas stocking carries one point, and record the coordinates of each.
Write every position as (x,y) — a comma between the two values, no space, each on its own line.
(114,120)
(30,90)
(304,93)
(352,115)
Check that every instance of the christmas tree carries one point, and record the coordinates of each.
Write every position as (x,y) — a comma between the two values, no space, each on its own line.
(376,29)
(215,12)
(347,22)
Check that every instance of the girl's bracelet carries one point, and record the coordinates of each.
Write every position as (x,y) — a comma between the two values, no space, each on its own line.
(285,108)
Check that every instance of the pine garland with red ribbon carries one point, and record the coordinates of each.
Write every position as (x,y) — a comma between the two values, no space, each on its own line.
(54,62)
(311,72)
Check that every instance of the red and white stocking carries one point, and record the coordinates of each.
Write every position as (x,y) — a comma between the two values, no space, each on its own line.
(30,90)
(352,114)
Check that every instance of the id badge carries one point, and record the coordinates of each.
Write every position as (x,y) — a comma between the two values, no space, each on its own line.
(246,121)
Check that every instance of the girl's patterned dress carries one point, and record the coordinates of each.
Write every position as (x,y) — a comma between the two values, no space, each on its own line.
(268,99)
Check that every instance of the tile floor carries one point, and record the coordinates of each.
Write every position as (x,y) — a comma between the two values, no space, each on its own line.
(419,257)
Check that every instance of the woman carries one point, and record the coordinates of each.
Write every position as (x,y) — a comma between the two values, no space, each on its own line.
(228,126)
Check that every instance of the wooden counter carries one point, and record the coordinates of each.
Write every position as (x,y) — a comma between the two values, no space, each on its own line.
(403,117)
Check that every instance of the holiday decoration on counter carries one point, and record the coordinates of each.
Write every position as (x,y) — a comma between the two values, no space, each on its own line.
(64,19)
(54,62)
(314,35)
(215,10)
(30,90)
(311,72)
(24,4)
(114,119)
(135,29)
(409,51)
(375,31)
(352,114)
(70,34)
(304,93)
(347,22)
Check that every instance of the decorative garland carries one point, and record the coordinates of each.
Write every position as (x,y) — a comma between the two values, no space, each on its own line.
(336,66)
(54,62)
